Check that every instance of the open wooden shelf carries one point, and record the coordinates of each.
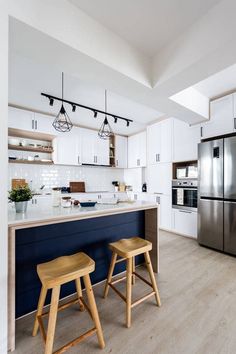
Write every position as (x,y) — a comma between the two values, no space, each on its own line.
(30,148)
(32,162)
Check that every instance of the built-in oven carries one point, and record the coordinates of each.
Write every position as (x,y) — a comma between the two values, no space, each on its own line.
(184,194)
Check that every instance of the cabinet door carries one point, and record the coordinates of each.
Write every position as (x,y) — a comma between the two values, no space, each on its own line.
(142,149)
(166,140)
(159,178)
(221,118)
(165,209)
(20,119)
(132,151)
(102,151)
(121,151)
(67,148)
(43,124)
(185,222)
(153,143)
(88,146)
(185,141)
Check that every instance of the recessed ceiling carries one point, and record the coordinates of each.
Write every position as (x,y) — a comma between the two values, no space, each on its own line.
(146,24)
(218,84)
(27,79)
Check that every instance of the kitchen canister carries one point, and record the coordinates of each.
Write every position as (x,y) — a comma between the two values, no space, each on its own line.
(56,197)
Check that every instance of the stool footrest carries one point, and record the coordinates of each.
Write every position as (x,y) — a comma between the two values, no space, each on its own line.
(143,279)
(118,292)
(63,307)
(76,341)
(143,298)
(117,280)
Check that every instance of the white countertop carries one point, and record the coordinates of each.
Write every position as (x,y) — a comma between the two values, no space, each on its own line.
(47,214)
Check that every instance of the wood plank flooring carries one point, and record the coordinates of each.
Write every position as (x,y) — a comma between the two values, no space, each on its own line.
(198,314)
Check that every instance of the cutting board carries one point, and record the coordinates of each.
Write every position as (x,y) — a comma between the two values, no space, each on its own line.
(77,187)
(18,182)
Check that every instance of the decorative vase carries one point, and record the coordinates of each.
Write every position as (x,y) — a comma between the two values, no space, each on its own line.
(21,207)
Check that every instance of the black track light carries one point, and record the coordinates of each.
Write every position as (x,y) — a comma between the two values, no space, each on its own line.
(73,107)
(95,113)
(115,119)
(127,123)
(51,101)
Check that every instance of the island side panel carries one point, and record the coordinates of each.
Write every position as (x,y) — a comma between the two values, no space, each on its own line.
(41,244)
(152,235)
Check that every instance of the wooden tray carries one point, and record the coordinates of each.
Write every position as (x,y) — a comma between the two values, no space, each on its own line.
(77,187)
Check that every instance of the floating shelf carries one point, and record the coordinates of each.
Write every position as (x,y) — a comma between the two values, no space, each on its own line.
(30,148)
(31,162)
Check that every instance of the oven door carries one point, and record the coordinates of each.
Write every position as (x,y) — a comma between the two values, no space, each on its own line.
(184,198)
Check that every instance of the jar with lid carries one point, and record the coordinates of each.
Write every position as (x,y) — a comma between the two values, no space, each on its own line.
(56,197)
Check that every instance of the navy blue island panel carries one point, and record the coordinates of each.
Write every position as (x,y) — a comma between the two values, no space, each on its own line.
(43,243)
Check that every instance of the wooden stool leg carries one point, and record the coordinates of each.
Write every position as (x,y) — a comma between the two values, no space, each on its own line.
(52,320)
(129,268)
(133,270)
(152,277)
(41,302)
(93,309)
(79,292)
(111,270)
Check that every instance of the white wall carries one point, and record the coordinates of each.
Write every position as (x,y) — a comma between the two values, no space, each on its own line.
(95,178)
(3,164)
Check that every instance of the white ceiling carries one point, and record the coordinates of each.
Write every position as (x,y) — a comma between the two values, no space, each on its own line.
(27,79)
(219,83)
(146,24)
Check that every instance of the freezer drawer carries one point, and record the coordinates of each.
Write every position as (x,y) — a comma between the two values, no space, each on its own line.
(230,227)
(210,166)
(210,223)
(230,168)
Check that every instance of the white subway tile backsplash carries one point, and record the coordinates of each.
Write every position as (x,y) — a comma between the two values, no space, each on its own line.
(95,178)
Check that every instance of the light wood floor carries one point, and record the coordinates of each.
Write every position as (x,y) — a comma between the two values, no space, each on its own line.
(198,313)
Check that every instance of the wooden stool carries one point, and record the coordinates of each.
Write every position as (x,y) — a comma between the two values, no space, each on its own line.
(127,249)
(52,275)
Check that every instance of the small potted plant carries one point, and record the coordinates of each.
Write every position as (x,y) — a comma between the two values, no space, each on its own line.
(20,196)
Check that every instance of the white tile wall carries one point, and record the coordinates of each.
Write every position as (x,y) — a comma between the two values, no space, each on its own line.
(95,178)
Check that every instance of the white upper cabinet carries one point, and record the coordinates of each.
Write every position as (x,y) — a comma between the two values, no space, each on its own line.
(30,121)
(67,148)
(159,178)
(137,150)
(43,124)
(20,119)
(185,141)
(159,142)
(95,151)
(221,118)
(121,151)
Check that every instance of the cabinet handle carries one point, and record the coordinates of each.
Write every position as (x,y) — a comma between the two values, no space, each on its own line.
(156,157)
(158,193)
(78,158)
(158,200)
(138,162)
(201,132)
(32,123)
(234,123)
(36,125)
(94,159)
(159,157)
(185,211)
(117,163)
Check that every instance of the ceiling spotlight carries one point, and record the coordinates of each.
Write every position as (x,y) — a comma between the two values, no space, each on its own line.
(73,107)
(127,123)
(95,113)
(51,101)
(115,119)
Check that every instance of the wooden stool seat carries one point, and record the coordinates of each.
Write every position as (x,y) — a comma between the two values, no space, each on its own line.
(64,269)
(55,273)
(130,247)
(127,249)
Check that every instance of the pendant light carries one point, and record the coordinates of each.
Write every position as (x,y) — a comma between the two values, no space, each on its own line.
(105,132)
(62,122)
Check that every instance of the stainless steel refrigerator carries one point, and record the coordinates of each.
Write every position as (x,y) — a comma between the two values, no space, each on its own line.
(217,194)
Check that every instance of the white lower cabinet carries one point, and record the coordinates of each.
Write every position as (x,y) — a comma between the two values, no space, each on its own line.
(185,222)
(165,210)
